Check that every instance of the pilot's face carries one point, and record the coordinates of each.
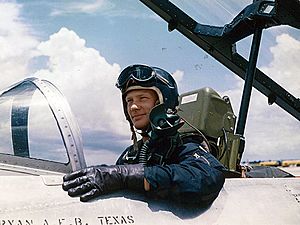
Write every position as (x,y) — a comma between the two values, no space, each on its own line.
(139,105)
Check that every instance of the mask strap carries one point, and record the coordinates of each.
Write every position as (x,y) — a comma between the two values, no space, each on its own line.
(134,138)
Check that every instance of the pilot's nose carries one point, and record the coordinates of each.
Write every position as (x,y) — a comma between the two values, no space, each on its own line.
(134,107)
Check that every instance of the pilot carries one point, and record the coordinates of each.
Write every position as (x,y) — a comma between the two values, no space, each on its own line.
(162,165)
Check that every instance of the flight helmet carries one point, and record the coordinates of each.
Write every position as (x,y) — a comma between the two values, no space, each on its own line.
(139,76)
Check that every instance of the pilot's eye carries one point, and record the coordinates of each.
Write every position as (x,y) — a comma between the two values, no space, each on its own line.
(144,97)
(128,100)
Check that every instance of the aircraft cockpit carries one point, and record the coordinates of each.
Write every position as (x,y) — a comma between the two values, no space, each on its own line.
(43,132)
(41,140)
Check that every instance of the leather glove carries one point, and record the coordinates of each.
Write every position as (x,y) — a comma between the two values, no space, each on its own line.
(94,181)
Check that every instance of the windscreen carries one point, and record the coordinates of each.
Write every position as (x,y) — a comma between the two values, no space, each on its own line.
(28,127)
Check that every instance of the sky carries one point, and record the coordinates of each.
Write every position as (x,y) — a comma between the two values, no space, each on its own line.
(81,47)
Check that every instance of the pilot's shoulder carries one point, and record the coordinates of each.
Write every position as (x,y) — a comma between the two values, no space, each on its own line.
(191,148)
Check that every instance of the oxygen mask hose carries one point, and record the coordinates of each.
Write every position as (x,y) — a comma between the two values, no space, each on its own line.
(143,153)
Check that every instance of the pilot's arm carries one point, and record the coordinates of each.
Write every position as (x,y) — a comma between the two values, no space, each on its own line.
(196,178)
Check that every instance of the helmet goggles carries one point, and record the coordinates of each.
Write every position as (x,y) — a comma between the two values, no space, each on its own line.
(141,74)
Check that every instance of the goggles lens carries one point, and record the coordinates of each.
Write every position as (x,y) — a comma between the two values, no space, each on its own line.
(138,73)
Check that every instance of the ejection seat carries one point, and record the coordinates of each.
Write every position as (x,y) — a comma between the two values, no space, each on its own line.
(210,115)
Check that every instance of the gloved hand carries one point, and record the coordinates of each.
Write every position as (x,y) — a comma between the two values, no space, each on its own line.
(94,181)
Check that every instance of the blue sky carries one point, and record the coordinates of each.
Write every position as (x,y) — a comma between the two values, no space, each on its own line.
(82,46)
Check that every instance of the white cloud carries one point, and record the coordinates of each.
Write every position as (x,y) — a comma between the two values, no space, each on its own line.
(88,7)
(178,76)
(270,131)
(285,64)
(82,7)
(86,79)
(96,157)
(16,43)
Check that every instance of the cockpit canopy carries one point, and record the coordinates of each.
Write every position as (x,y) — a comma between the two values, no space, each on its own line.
(37,128)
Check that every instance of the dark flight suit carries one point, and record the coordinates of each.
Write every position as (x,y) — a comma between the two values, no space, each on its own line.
(190,175)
